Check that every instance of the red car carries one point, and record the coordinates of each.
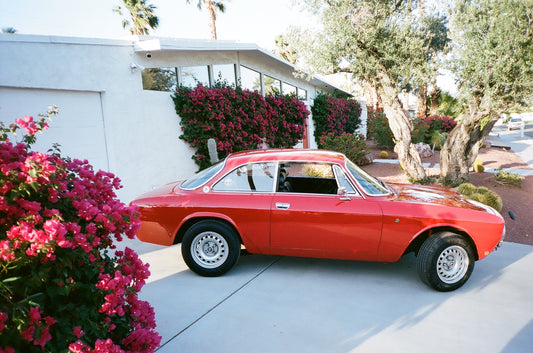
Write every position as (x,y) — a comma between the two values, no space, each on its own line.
(316,203)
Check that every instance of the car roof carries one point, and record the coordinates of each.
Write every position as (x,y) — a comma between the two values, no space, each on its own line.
(266,155)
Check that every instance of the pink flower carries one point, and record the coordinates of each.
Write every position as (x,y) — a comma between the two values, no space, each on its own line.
(78,332)
(3,319)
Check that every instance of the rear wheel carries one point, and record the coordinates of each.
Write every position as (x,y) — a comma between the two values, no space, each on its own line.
(210,248)
(445,261)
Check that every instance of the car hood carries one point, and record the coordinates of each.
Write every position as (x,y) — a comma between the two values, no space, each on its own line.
(432,195)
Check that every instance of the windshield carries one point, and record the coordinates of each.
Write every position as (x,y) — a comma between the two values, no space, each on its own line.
(369,184)
(202,177)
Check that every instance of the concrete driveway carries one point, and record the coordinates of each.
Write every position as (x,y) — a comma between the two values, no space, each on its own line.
(282,304)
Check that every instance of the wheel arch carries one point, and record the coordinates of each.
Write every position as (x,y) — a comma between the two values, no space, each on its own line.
(188,223)
(416,243)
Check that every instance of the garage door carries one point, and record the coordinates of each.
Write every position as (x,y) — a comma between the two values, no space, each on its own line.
(79,127)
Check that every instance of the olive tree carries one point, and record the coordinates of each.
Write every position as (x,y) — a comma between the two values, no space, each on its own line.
(383,44)
(493,60)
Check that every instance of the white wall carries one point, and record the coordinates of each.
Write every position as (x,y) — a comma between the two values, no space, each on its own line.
(105,116)
(79,129)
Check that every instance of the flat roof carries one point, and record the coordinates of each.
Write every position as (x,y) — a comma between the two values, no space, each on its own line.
(153,44)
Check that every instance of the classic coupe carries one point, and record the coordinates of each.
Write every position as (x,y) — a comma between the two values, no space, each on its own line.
(316,203)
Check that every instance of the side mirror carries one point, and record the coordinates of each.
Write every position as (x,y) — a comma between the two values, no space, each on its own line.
(343,194)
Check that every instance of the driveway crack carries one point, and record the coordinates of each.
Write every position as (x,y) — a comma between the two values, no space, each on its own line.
(221,302)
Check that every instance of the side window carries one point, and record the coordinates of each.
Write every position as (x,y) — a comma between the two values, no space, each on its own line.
(256,177)
(343,181)
(160,79)
(307,178)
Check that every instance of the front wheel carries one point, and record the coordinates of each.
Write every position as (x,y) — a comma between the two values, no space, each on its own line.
(445,261)
(210,248)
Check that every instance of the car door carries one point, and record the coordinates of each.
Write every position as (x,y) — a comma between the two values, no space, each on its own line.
(308,221)
(244,196)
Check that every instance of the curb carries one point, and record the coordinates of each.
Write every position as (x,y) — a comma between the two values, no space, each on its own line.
(525,172)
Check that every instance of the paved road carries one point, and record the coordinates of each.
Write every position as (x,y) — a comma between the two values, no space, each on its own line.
(522,145)
(281,304)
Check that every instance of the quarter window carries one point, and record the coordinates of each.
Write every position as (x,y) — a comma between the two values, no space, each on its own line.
(256,177)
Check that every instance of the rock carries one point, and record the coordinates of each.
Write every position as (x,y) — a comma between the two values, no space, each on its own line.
(424,150)
(366,160)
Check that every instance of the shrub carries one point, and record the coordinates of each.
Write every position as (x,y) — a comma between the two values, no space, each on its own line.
(317,170)
(335,116)
(481,194)
(379,130)
(420,131)
(432,130)
(237,119)
(286,120)
(466,189)
(493,200)
(440,123)
(61,290)
(352,146)
(508,178)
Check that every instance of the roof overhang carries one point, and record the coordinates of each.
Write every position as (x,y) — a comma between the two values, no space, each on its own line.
(251,50)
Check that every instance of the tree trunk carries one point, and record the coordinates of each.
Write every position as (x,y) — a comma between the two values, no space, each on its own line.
(401,127)
(462,146)
(422,105)
(434,97)
(212,18)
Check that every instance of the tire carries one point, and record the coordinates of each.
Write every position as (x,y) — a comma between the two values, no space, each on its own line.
(445,261)
(210,248)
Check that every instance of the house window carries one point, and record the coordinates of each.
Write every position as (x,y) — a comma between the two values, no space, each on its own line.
(272,86)
(192,76)
(302,94)
(160,79)
(250,79)
(289,89)
(224,73)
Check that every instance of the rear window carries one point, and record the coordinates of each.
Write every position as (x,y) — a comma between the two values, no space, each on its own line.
(202,177)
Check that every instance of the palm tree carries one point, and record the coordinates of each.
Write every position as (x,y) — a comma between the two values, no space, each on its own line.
(212,7)
(9,30)
(141,16)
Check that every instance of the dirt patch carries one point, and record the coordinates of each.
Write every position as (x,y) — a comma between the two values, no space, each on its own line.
(517,200)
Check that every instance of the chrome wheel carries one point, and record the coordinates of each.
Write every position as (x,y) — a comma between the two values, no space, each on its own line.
(445,261)
(209,249)
(452,264)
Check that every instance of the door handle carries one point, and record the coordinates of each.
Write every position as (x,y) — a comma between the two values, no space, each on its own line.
(282,205)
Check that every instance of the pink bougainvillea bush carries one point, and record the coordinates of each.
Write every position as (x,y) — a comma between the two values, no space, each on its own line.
(287,116)
(237,119)
(335,115)
(62,286)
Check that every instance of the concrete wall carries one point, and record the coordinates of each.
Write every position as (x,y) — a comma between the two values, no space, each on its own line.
(104,114)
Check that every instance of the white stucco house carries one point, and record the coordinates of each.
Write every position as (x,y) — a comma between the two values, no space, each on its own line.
(110,110)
